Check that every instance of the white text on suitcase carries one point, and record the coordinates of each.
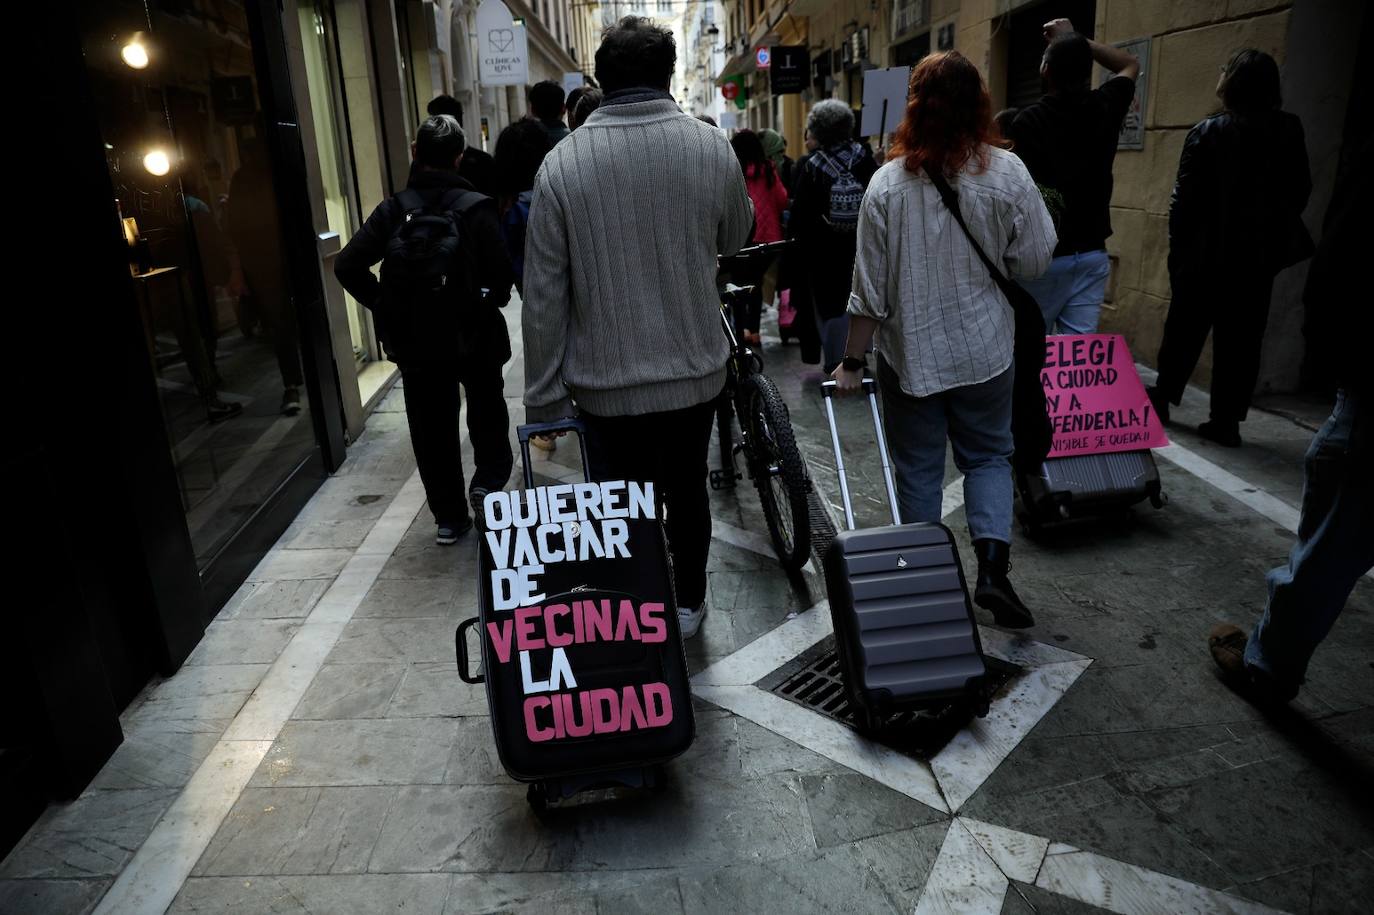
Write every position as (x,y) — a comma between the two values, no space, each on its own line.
(530,530)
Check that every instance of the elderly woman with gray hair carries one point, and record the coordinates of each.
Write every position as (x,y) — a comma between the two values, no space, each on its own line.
(824,220)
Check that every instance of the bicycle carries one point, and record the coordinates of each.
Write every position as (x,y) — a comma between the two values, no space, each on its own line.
(766,440)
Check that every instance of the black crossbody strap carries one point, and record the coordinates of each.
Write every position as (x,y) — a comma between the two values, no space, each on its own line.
(951,199)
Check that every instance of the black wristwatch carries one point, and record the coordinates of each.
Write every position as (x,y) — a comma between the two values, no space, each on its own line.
(854,363)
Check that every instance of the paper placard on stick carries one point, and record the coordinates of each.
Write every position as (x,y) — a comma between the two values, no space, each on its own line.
(883,86)
(573,80)
(1096,400)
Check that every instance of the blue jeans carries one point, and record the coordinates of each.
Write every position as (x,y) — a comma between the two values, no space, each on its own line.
(1070,293)
(977,421)
(1335,545)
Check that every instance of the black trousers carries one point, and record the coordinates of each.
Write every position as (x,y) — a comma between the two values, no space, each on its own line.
(1235,310)
(668,449)
(432,403)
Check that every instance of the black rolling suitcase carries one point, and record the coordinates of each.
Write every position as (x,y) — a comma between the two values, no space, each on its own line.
(903,621)
(1084,484)
(584,668)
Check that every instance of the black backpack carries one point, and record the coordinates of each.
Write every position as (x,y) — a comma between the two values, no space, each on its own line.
(427,272)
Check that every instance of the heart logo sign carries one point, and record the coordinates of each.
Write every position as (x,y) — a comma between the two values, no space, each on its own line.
(501,39)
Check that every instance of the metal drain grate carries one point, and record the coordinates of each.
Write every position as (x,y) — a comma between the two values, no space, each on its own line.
(814,680)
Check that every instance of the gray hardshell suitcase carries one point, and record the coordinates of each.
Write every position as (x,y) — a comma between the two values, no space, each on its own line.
(904,625)
(1088,483)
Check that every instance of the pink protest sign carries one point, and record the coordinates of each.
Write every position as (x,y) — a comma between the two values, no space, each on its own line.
(1095,398)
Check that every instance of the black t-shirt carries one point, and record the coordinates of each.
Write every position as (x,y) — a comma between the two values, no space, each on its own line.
(1068,141)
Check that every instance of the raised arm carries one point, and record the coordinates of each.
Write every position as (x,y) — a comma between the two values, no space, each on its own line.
(1114,59)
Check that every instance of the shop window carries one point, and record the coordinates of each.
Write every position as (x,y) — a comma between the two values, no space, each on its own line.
(177,101)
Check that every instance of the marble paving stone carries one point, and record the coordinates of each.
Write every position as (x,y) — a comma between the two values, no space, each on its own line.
(1028,899)
(716,747)
(412,751)
(1018,855)
(1128,829)
(350,691)
(1236,814)
(474,759)
(215,692)
(50,897)
(164,860)
(274,600)
(977,750)
(1338,886)
(434,690)
(429,561)
(715,821)
(291,565)
(468,828)
(316,535)
(762,753)
(298,831)
(413,641)
(964,879)
(156,758)
(846,807)
(94,835)
(1131,890)
(564,893)
(242,641)
(396,598)
(339,894)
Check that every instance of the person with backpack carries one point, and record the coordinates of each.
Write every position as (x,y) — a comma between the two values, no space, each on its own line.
(439,244)
(824,219)
(944,328)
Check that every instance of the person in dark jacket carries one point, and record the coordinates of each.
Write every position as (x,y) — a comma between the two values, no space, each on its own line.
(547,107)
(439,350)
(821,265)
(1336,530)
(1068,141)
(1235,220)
(478,167)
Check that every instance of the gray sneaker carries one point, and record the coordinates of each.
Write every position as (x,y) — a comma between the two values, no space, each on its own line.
(689,620)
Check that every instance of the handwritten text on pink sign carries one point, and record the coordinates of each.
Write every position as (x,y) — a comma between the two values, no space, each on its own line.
(1095,397)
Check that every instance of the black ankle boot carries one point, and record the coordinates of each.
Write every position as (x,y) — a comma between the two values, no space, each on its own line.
(994,591)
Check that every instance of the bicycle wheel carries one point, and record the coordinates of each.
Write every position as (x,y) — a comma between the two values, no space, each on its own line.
(778,472)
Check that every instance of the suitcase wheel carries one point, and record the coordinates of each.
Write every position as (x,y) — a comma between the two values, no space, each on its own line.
(537,794)
(1159,499)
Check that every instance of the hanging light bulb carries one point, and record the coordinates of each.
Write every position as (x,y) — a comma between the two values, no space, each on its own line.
(157,162)
(135,53)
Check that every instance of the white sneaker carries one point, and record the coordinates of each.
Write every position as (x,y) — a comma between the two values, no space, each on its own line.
(689,620)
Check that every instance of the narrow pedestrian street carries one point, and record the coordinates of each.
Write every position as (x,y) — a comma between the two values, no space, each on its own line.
(318,753)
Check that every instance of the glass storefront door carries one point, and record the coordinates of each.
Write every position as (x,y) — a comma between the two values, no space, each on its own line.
(178,105)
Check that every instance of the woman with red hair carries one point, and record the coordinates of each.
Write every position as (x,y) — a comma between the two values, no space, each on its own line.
(942,329)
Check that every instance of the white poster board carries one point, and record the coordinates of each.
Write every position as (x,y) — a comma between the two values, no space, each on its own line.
(883,87)
(503,46)
(573,80)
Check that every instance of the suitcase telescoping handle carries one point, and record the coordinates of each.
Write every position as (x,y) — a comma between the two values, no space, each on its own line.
(569,424)
(870,386)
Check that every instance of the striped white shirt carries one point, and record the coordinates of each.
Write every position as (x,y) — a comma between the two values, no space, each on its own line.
(943,322)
